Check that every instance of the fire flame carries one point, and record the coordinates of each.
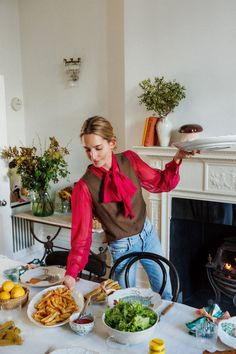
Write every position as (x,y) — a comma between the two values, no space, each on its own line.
(227,266)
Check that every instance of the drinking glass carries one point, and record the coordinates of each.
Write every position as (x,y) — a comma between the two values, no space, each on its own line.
(206,334)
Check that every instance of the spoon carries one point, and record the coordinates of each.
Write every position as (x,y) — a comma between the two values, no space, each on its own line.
(83,311)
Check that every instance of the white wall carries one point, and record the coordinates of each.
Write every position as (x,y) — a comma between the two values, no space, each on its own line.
(50,31)
(115,69)
(10,68)
(192,42)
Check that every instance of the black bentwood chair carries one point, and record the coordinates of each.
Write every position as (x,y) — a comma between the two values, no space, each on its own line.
(96,266)
(163,263)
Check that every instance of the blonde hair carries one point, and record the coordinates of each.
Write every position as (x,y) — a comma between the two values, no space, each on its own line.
(99,126)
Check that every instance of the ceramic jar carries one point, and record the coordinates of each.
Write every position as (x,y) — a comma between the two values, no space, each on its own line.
(164,128)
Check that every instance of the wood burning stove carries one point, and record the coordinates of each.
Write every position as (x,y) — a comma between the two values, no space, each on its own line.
(221,271)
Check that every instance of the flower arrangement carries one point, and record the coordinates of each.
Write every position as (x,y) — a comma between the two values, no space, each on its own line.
(65,193)
(38,170)
(161,96)
(65,198)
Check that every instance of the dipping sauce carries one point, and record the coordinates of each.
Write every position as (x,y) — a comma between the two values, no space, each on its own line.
(83,320)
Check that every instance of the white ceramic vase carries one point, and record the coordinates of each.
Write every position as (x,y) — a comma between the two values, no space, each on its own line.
(164,127)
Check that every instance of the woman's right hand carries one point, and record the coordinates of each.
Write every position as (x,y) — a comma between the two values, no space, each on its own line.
(69,281)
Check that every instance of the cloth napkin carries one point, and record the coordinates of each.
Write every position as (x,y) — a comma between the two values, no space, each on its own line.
(212,313)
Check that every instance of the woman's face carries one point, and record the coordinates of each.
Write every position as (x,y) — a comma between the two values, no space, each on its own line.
(98,150)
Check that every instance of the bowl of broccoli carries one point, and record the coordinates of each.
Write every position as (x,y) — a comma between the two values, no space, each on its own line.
(130,323)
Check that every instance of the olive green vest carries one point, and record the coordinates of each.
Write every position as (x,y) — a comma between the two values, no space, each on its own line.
(111,215)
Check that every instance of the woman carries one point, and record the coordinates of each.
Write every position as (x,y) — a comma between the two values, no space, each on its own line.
(111,189)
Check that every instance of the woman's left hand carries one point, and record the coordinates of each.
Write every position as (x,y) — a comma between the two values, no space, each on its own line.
(181,154)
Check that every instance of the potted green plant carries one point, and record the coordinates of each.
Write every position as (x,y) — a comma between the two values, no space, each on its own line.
(161,97)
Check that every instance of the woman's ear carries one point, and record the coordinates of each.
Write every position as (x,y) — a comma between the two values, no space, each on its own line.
(113,143)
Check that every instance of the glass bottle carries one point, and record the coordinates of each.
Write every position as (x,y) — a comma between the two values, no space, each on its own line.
(156,345)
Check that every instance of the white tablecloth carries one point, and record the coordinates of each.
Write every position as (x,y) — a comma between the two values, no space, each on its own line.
(171,329)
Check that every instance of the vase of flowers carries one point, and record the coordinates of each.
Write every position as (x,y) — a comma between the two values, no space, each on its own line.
(161,97)
(42,203)
(37,171)
(65,199)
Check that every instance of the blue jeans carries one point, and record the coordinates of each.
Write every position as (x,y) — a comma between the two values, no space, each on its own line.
(146,241)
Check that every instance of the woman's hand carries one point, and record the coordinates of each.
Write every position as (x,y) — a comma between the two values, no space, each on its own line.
(181,154)
(69,281)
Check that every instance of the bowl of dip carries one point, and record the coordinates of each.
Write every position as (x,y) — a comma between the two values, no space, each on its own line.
(81,325)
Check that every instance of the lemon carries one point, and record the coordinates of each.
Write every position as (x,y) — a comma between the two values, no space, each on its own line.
(17,291)
(5,295)
(8,285)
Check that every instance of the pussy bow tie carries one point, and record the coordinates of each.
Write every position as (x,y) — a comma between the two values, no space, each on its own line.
(118,188)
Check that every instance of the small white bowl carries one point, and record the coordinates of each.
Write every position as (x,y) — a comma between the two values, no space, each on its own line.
(81,328)
(130,337)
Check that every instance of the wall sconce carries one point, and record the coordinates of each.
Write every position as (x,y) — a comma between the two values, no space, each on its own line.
(72,68)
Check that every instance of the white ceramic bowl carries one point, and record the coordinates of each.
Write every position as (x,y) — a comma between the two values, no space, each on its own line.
(226,331)
(130,337)
(81,328)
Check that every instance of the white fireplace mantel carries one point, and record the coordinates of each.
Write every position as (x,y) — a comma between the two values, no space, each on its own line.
(207,176)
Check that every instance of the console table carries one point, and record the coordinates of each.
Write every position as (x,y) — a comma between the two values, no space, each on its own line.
(57,219)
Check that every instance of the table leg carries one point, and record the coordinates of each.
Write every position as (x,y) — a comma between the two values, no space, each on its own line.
(48,245)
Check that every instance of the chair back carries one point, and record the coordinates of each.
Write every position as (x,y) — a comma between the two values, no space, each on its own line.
(96,266)
(160,260)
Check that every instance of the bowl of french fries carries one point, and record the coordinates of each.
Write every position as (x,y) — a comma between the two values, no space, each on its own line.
(52,307)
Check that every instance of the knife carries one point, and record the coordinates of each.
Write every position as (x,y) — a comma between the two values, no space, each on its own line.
(166,309)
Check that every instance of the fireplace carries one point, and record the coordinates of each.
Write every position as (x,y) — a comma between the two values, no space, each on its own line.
(200,230)
(221,271)
(209,177)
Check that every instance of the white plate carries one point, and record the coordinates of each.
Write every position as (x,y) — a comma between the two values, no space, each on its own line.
(146,296)
(78,297)
(73,350)
(220,142)
(224,332)
(39,272)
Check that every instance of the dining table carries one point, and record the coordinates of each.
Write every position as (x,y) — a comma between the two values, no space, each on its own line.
(37,340)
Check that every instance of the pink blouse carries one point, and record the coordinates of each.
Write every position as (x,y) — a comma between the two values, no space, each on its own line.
(151,179)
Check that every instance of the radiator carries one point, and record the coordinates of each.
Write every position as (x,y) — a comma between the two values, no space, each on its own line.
(22,237)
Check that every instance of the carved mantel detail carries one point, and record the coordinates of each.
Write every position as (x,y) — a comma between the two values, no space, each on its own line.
(221,178)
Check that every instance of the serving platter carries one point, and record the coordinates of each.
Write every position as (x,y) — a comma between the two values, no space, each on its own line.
(54,274)
(210,143)
(78,297)
(146,296)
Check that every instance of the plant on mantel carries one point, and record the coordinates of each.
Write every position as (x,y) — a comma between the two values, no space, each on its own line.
(161,97)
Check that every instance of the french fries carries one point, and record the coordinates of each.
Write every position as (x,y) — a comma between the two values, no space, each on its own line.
(55,306)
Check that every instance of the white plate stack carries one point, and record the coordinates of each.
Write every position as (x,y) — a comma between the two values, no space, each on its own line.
(211,143)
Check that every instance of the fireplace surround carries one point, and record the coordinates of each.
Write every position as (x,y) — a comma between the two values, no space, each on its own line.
(208,177)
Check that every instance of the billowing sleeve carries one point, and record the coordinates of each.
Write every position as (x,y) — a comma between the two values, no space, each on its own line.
(153,179)
(81,231)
